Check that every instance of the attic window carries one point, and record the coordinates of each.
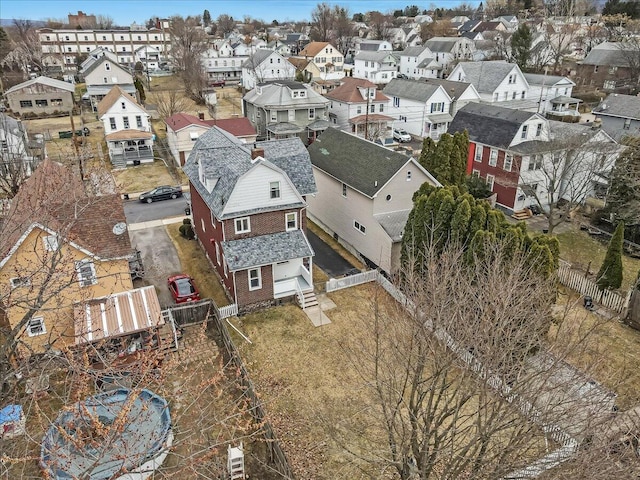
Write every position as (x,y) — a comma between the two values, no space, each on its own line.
(123,105)
(50,243)
(107,66)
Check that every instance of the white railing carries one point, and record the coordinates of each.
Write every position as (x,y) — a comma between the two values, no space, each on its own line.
(300,295)
(577,281)
(339,283)
(228,311)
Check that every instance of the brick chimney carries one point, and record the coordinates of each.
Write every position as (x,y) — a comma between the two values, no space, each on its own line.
(257,152)
(201,115)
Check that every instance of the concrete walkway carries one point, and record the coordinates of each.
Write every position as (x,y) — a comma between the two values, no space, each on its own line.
(155,223)
(316,314)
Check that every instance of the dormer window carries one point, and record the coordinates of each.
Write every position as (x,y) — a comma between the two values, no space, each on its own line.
(107,66)
(274,190)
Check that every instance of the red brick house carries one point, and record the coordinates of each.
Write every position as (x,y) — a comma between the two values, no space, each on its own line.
(249,213)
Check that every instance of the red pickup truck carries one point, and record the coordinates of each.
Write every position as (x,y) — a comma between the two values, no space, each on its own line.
(216,83)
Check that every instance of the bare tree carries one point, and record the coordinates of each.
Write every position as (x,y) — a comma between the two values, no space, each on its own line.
(380,24)
(169,103)
(342,31)
(560,43)
(188,43)
(322,19)
(226,24)
(437,28)
(17,162)
(104,22)
(27,50)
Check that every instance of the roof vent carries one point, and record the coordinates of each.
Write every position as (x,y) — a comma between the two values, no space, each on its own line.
(375,184)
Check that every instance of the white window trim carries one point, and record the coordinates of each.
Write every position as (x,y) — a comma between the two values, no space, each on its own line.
(86,282)
(491,179)
(259,278)
(344,190)
(477,156)
(30,325)
(276,190)
(475,173)
(17,282)
(217,252)
(241,219)
(493,157)
(508,156)
(295,221)
(360,227)
(51,243)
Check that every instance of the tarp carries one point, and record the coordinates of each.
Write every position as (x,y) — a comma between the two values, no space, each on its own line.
(10,414)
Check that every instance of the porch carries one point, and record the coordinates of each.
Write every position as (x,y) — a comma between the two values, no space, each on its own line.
(299,280)
(564,108)
(129,147)
(373,125)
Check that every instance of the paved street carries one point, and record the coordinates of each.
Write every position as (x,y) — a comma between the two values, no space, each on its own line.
(137,212)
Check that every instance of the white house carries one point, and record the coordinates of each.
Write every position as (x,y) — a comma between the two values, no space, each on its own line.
(496,81)
(264,66)
(327,58)
(420,108)
(378,67)
(553,93)
(126,128)
(149,56)
(419,62)
(450,50)
(15,147)
(364,195)
(102,75)
(366,45)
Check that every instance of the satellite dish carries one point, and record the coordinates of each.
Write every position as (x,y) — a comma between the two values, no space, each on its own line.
(119,228)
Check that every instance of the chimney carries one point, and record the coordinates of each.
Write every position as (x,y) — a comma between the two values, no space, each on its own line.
(201,115)
(257,152)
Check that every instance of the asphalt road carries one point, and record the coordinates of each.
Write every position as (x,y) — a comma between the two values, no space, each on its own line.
(137,212)
(327,258)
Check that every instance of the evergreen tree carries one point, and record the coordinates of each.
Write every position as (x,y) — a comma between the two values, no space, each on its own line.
(426,155)
(206,18)
(521,41)
(460,222)
(610,274)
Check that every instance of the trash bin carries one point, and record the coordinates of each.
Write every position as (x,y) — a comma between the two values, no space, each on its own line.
(187,210)
(136,162)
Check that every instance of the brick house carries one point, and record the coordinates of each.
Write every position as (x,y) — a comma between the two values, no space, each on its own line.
(249,213)
(611,66)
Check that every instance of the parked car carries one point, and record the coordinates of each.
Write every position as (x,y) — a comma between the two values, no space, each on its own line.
(217,83)
(402,76)
(182,288)
(401,135)
(165,192)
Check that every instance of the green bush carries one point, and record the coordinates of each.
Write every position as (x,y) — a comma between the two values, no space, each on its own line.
(186,230)
(610,274)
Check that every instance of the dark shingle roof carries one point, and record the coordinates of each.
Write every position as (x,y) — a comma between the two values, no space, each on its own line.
(489,125)
(453,89)
(225,158)
(361,164)
(411,89)
(486,76)
(610,54)
(626,106)
(266,249)
(257,58)
(441,44)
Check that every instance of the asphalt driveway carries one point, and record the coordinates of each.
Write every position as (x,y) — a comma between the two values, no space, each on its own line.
(327,258)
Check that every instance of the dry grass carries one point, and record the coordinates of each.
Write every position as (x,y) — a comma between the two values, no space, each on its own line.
(610,352)
(344,253)
(195,263)
(141,178)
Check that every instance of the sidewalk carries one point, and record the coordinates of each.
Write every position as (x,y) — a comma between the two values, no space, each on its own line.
(155,223)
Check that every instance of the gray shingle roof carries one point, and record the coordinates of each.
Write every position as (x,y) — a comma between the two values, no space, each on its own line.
(225,158)
(393,223)
(257,58)
(486,76)
(453,89)
(266,249)
(547,80)
(489,125)
(361,164)
(441,44)
(563,134)
(609,54)
(377,56)
(411,89)
(413,51)
(51,82)
(279,94)
(626,106)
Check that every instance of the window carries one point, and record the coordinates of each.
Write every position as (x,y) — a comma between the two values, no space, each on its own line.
(217,253)
(104,80)
(291,221)
(381,109)
(255,279)
(539,130)
(104,37)
(274,190)
(388,198)
(490,180)
(125,120)
(86,273)
(475,173)
(524,131)
(627,124)
(344,189)
(4,146)
(396,102)
(121,37)
(437,107)
(495,97)
(107,66)
(243,225)
(493,157)
(359,110)
(609,84)
(20,282)
(513,96)
(41,103)
(535,162)
(523,95)
(50,243)
(56,102)
(361,228)
(373,108)
(312,113)
(508,162)
(506,95)
(478,154)
(613,70)
(35,327)
(26,103)
(112,123)
(139,121)
(409,176)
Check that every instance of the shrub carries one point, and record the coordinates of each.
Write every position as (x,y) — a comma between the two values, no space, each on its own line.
(186,230)
(610,274)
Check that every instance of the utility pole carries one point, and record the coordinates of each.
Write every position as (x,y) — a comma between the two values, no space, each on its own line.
(366,118)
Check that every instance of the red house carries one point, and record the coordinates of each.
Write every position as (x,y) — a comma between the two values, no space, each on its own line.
(249,211)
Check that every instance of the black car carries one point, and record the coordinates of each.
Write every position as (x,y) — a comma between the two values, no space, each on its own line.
(164,192)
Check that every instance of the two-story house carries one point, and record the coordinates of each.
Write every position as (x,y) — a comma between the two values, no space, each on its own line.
(286,108)
(419,62)
(19,156)
(553,95)
(448,51)
(496,81)
(420,108)
(41,95)
(358,106)
(149,56)
(461,93)
(126,128)
(620,115)
(101,75)
(379,67)
(62,251)
(183,130)
(264,66)
(249,211)
(364,195)
(326,57)
(526,159)
(610,66)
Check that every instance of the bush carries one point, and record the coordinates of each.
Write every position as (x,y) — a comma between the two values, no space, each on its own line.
(186,230)
(610,274)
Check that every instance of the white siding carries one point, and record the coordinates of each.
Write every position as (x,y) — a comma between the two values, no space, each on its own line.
(131,110)
(400,189)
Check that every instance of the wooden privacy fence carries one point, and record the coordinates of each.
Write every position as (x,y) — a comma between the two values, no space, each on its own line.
(577,281)
(191,313)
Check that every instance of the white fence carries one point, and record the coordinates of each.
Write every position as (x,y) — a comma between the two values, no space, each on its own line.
(576,281)
(339,283)
(228,311)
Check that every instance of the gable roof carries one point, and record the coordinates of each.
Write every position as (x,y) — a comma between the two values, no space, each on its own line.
(112,97)
(618,105)
(413,51)
(50,82)
(375,56)
(312,49)
(226,159)
(361,164)
(442,44)
(487,76)
(259,56)
(279,94)
(239,127)
(611,54)
(411,89)
(488,124)
(100,61)
(546,80)
(348,91)
(84,220)
(453,89)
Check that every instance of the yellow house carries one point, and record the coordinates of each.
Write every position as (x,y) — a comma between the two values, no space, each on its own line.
(59,246)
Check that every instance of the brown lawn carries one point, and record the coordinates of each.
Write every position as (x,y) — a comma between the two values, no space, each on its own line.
(140,178)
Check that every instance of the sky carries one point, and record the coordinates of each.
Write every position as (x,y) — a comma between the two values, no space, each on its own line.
(124,12)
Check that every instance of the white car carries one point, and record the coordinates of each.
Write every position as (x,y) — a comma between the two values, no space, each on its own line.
(401,135)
